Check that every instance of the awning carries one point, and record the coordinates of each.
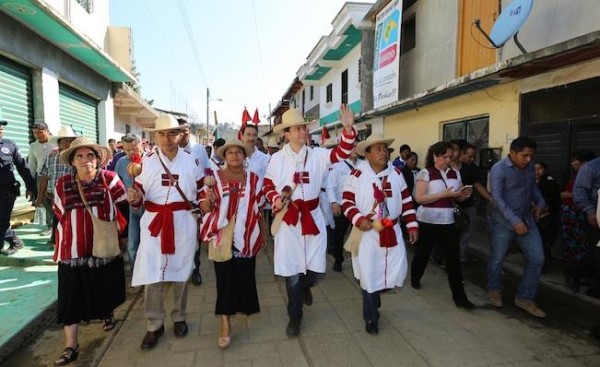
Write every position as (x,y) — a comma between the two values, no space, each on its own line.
(42,19)
(127,102)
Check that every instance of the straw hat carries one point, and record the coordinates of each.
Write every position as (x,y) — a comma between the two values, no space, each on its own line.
(291,117)
(83,142)
(166,122)
(64,132)
(373,139)
(273,142)
(232,143)
(330,143)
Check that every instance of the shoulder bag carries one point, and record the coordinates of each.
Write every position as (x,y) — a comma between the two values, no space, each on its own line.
(461,218)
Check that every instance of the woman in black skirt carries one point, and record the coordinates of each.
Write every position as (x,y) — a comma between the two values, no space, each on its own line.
(232,201)
(88,287)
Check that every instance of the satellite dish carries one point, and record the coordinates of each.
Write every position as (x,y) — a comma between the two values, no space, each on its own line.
(509,23)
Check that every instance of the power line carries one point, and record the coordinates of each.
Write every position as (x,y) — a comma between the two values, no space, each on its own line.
(191,39)
(262,67)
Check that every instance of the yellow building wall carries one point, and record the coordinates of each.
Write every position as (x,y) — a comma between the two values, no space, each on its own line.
(422,127)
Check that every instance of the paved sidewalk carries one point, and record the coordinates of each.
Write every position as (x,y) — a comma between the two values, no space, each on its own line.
(417,328)
(28,285)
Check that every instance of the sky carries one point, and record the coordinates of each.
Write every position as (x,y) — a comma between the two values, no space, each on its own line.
(246,51)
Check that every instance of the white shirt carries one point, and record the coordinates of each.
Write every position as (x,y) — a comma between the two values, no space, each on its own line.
(38,152)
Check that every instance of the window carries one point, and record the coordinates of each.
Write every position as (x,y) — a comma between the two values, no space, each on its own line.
(329,96)
(345,86)
(408,38)
(312,92)
(88,5)
(473,130)
(303,99)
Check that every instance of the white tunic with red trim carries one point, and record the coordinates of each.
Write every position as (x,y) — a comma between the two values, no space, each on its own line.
(296,253)
(246,234)
(151,265)
(377,267)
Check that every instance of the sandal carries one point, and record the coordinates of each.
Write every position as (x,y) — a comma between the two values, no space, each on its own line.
(224,341)
(108,324)
(68,355)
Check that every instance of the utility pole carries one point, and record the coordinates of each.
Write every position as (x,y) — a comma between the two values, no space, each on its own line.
(207,111)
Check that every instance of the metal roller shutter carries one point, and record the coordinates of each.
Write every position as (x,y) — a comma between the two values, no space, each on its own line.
(17,109)
(78,111)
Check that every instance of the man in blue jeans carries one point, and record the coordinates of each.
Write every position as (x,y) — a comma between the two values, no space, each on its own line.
(517,205)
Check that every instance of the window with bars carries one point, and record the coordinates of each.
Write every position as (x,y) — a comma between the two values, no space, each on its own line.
(473,130)
(312,92)
(329,93)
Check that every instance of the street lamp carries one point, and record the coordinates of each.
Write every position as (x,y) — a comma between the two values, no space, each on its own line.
(208,111)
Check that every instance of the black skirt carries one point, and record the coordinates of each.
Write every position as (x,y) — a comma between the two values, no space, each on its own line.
(236,287)
(89,292)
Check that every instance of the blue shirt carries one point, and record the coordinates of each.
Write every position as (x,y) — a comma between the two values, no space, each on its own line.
(513,191)
(113,163)
(587,183)
(121,169)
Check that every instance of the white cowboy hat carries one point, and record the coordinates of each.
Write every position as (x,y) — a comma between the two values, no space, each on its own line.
(82,142)
(291,117)
(232,143)
(64,132)
(373,139)
(166,122)
(330,143)
(273,142)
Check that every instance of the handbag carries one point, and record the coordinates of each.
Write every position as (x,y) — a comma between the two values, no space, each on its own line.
(106,233)
(223,250)
(461,218)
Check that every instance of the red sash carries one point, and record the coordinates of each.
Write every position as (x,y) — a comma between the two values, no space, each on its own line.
(387,236)
(163,223)
(300,210)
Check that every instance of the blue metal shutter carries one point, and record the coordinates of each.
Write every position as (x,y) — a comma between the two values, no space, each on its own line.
(78,111)
(17,109)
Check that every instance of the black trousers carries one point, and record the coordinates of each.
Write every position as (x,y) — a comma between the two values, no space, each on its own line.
(589,265)
(448,238)
(7,200)
(341,226)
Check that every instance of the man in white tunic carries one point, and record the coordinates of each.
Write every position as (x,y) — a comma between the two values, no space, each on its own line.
(374,197)
(336,181)
(293,179)
(257,160)
(168,188)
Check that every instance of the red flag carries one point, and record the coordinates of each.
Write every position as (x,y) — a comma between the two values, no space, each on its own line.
(324,135)
(255,118)
(245,117)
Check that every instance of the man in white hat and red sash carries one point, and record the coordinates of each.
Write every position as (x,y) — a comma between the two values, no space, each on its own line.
(374,197)
(292,185)
(168,188)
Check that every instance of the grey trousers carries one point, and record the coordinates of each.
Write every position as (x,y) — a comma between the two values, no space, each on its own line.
(154,303)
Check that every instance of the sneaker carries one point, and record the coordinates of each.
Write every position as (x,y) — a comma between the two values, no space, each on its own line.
(16,243)
(529,306)
(495,298)
(9,251)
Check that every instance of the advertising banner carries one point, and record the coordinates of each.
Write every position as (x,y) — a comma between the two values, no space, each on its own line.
(387,54)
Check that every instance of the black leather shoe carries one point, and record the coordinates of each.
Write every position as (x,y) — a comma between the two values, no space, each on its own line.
(293,328)
(464,303)
(415,283)
(308,298)
(151,338)
(196,277)
(337,265)
(372,328)
(180,329)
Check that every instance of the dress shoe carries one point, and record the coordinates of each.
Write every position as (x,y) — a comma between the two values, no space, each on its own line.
(308,298)
(293,327)
(464,303)
(180,329)
(196,277)
(151,338)
(371,327)
(415,283)
(337,266)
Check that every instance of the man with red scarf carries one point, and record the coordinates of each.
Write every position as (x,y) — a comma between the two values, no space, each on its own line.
(168,187)
(374,197)
(292,185)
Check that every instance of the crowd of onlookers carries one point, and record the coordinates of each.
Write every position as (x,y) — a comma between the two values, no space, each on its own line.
(167,197)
